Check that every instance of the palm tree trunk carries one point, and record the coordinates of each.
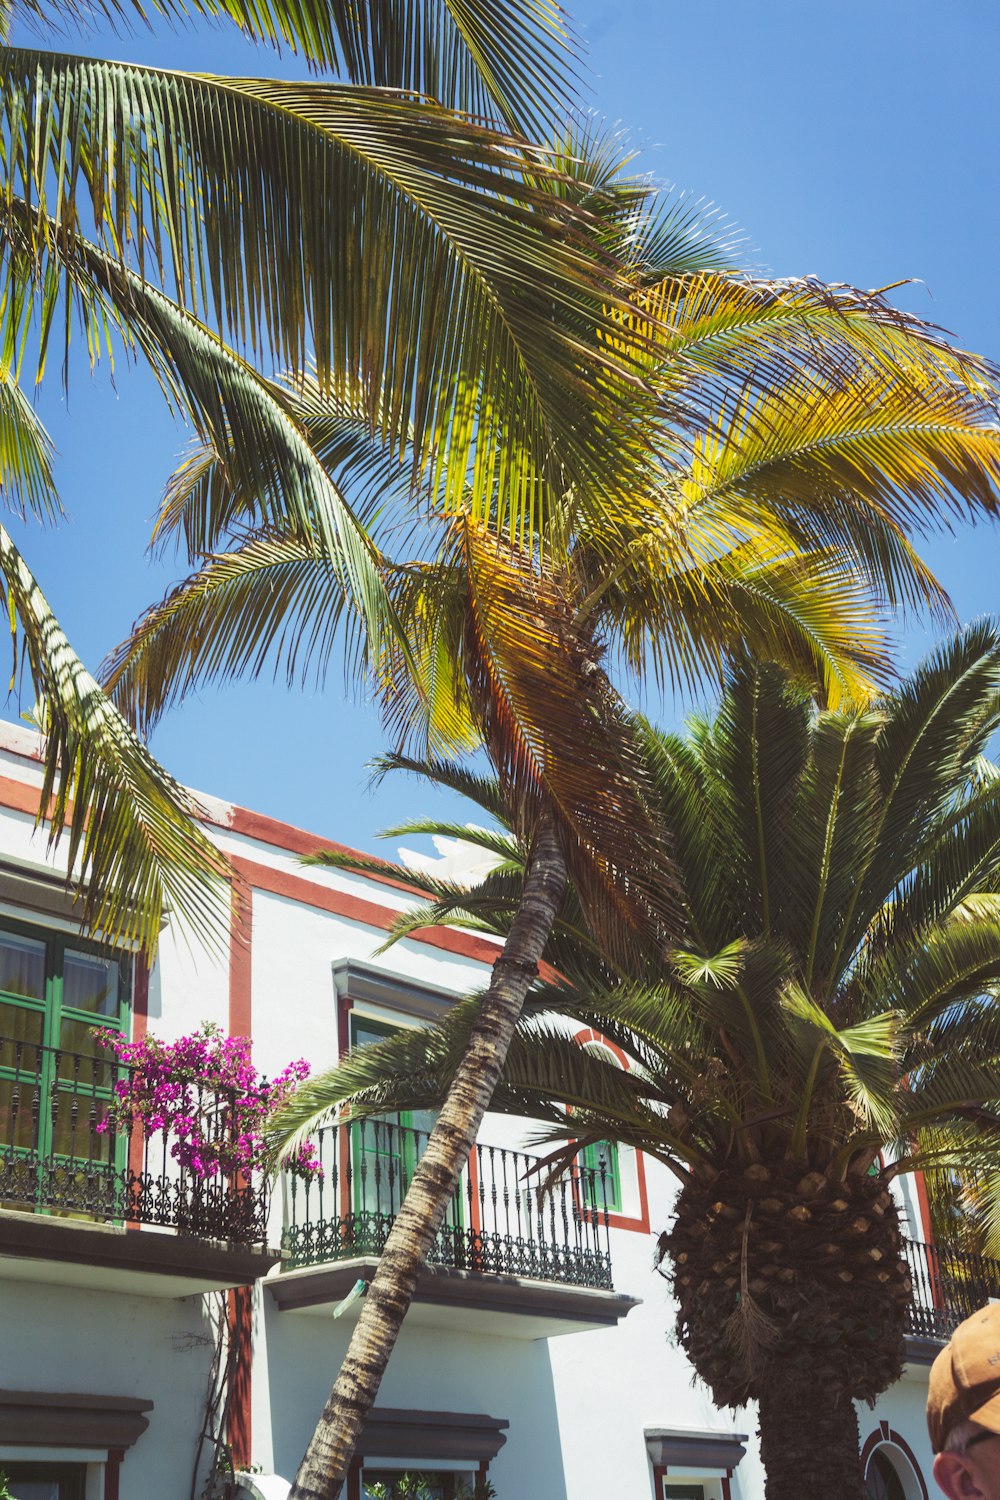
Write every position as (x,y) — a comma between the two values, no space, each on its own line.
(324,1467)
(808,1440)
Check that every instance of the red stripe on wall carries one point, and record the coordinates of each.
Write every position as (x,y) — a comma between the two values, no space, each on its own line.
(240,956)
(920,1183)
(357,909)
(241,1334)
(239,1428)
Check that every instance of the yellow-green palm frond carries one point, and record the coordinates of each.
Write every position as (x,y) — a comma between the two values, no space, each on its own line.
(26,477)
(917,449)
(134,850)
(267,457)
(733,331)
(406,246)
(270,602)
(203,506)
(676,611)
(558,735)
(510,61)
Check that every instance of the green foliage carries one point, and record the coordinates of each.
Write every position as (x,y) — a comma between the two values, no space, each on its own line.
(407,1486)
(834,992)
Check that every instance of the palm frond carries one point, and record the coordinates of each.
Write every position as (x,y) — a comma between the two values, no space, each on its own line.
(512,62)
(269,602)
(340,201)
(133,849)
(26,477)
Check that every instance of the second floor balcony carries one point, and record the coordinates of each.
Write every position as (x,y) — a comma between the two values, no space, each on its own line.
(87,1200)
(949,1285)
(509,1232)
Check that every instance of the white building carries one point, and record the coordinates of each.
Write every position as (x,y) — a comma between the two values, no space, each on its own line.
(538,1349)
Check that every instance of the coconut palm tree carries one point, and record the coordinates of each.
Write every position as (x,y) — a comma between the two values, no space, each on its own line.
(192,218)
(782,520)
(826,1022)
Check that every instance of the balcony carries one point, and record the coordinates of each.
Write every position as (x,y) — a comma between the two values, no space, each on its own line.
(948,1286)
(509,1250)
(87,1202)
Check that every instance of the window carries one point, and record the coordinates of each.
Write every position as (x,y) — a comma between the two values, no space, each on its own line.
(882,1481)
(422,1484)
(385,1150)
(683,1492)
(44,1481)
(604,1189)
(55,1077)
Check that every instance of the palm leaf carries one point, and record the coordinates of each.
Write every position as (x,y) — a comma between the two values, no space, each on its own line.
(132,847)
(491,362)
(509,62)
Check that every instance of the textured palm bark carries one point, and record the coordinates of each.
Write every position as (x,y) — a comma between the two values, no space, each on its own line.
(324,1468)
(808,1440)
(792,1290)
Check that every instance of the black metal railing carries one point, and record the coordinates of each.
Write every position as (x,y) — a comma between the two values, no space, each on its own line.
(948,1286)
(63,1152)
(505,1218)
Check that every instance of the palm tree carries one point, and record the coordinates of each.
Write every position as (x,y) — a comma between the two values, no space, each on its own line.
(193,218)
(780,520)
(826,1021)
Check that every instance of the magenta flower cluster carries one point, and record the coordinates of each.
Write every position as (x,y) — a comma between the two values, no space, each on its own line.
(204,1094)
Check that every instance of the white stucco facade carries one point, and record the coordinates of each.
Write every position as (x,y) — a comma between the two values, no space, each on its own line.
(579,1406)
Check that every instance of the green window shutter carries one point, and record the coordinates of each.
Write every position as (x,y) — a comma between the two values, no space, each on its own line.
(603,1155)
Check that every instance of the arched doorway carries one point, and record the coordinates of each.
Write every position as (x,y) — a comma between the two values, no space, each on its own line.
(890,1475)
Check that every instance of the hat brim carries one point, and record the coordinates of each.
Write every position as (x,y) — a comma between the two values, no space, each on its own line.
(988,1415)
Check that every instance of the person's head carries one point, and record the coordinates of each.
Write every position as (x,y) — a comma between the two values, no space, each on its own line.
(963,1409)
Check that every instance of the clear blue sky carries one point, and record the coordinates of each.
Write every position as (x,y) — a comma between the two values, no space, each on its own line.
(856,141)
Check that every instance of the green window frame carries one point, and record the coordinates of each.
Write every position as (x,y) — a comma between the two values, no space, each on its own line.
(591,1158)
(56,989)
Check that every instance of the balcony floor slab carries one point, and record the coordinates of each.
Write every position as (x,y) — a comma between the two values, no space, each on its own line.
(106,1257)
(465,1301)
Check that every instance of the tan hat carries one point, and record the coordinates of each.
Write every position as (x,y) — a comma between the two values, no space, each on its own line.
(964,1382)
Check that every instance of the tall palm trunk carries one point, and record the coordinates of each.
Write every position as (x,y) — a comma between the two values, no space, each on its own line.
(808,1439)
(324,1468)
(792,1290)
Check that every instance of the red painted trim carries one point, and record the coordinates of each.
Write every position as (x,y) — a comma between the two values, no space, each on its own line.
(641,1224)
(343,1026)
(638,1225)
(112,1473)
(240,956)
(21,796)
(279,835)
(920,1183)
(140,997)
(357,909)
(239,1434)
(240,1431)
(354,1480)
(885,1436)
(659,1480)
(727,1489)
(475,1207)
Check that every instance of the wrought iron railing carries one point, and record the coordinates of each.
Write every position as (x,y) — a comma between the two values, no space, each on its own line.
(505,1218)
(63,1152)
(948,1286)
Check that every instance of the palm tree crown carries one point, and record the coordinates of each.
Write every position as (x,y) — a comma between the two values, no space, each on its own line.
(826,1021)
